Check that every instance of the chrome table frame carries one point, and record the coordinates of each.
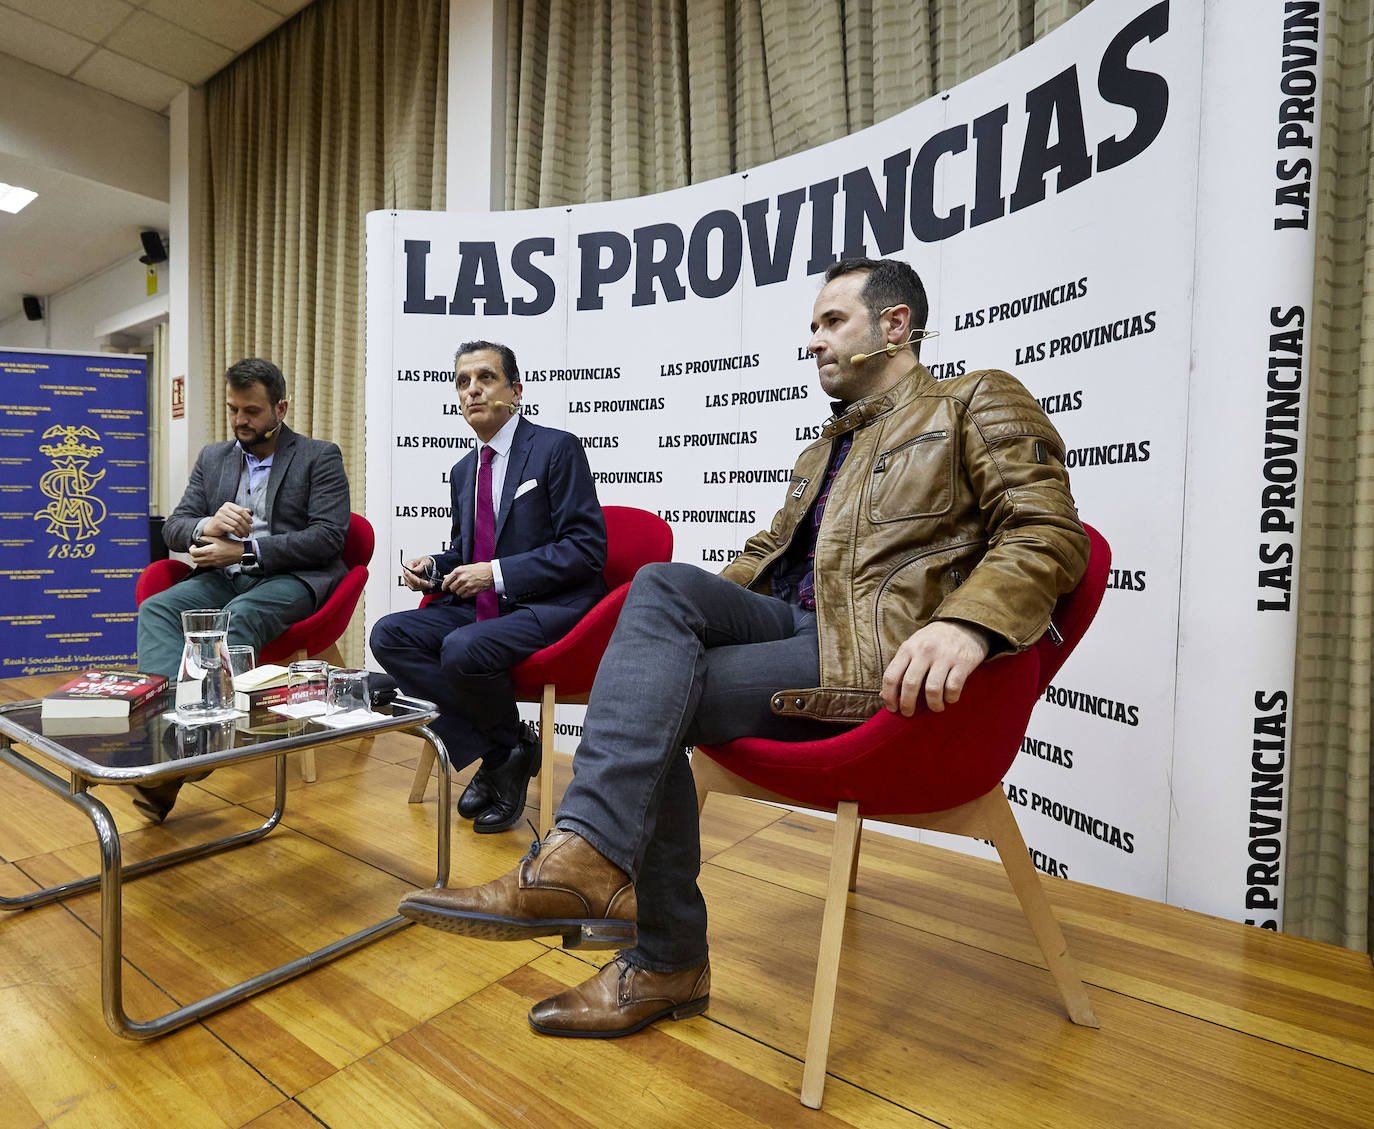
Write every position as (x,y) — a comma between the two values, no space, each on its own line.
(113,874)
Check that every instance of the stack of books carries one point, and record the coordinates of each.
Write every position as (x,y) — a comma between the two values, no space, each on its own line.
(260,688)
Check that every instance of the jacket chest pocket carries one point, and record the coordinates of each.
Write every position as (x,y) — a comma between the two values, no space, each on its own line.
(794,507)
(913,479)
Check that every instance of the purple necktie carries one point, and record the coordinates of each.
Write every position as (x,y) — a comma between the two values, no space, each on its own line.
(484,533)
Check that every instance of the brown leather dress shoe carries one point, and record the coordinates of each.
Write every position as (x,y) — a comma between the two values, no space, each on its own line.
(564,886)
(621,999)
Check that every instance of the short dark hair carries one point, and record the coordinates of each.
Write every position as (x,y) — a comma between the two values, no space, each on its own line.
(509,369)
(254,370)
(890,282)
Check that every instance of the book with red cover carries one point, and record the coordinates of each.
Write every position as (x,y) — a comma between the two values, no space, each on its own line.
(102,693)
(262,698)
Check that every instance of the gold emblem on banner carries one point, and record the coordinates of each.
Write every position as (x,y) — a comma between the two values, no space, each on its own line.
(74,514)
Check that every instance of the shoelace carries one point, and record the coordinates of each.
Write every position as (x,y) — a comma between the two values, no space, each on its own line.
(619,958)
(534,847)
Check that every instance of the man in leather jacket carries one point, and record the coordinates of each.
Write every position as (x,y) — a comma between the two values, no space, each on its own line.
(930,526)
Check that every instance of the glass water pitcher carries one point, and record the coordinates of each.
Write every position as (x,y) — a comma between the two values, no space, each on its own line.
(205,682)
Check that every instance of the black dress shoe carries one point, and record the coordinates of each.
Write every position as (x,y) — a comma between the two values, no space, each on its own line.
(477,796)
(157,800)
(508,783)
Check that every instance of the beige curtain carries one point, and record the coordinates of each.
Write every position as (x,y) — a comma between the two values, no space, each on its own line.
(616,98)
(340,112)
(1328,875)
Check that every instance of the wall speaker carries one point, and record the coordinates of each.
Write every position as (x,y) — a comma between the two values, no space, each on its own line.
(153,249)
(33,307)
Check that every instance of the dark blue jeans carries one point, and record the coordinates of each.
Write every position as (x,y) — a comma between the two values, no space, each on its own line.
(694,660)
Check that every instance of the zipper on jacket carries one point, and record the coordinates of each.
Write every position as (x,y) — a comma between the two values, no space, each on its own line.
(1055,637)
(928,551)
(881,464)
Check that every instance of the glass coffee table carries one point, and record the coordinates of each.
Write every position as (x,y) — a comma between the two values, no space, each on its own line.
(151,748)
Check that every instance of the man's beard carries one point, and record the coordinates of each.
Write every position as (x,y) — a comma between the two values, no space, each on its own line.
(257,439)
(845,383)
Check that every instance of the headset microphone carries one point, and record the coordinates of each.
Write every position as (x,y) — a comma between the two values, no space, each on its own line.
(891,348)
(504,404)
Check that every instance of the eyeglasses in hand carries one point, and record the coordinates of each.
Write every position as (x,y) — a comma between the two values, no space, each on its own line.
(429,576)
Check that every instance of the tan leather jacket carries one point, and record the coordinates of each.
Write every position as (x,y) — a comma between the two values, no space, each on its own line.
(953,503)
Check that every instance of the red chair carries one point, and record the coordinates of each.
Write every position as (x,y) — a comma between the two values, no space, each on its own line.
(315,637)
(564,670)
(940,771)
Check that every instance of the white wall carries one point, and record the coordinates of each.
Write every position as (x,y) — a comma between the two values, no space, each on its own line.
(476,106)
(20,333)
(82,318)
(185,359)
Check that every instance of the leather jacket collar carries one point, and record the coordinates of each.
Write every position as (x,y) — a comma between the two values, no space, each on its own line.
(863,412)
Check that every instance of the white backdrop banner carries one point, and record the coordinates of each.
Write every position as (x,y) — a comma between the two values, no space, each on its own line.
(1057,210)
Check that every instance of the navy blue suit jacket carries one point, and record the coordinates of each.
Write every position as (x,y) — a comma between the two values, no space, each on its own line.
(550,540)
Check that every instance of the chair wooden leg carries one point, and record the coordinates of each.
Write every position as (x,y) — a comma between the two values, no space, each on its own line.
(854,866)
(711,776)
(546,704)
(842,857)
(1025,882)
(422,771)
(702,766)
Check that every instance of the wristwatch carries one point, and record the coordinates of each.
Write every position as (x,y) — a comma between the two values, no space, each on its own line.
(249,558)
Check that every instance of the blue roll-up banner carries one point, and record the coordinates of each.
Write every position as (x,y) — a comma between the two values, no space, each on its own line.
(73,508)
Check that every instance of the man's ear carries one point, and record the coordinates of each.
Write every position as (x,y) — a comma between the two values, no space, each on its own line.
(901,322)
(281,409)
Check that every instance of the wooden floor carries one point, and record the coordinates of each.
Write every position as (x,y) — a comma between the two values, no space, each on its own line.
(945,1015)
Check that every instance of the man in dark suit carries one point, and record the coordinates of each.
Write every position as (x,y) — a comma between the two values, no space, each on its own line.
(527,547)
(264,518)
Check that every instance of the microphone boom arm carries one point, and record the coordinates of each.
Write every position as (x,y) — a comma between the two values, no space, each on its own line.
(891,348)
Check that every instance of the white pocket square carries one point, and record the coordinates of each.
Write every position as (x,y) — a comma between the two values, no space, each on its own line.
(526,487)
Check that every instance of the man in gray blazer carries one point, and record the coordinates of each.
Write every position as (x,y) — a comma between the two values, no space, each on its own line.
(264,518)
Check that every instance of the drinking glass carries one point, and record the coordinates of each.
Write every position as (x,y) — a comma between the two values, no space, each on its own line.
(347,690)
(306,681)
(241,659)
(205,681)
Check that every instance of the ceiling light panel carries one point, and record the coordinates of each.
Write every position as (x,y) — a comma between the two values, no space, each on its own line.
(15,199)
